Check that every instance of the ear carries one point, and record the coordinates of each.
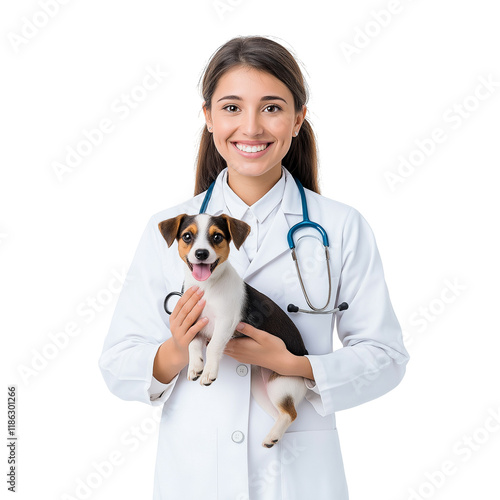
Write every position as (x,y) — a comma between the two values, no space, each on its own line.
(169,228)
(238,230)
(207,113)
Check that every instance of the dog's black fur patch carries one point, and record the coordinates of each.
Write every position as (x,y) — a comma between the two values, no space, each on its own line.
(263,313)
(220,223)
(186,221)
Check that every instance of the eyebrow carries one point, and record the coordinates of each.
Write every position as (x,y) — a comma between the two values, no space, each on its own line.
(265,98)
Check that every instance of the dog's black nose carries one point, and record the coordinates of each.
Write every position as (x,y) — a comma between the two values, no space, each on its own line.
(201,254)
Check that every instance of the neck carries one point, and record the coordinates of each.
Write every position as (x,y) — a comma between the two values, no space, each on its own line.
(252,188)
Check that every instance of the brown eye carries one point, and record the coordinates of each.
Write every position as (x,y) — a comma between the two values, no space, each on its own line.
(187,237)
(218,238)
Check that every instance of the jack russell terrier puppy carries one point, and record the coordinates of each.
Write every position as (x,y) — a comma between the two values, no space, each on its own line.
(203,243)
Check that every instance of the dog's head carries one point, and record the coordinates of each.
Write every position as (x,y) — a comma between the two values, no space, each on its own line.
(204,240)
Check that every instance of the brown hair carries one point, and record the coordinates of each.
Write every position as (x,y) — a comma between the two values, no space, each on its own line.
(266,55)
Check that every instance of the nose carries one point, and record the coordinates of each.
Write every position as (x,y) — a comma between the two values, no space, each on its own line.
(201,254)
(251,125)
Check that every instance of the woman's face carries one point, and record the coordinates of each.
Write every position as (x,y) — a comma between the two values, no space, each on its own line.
(253,109)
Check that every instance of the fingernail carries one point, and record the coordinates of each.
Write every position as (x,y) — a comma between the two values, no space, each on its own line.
(200,291)
(194,288)
(240,326)
(205,319)
(201,302)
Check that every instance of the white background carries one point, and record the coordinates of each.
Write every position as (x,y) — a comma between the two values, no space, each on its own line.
(63,239)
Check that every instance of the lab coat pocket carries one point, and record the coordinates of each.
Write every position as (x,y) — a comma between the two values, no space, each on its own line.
(186,463)
(312,466)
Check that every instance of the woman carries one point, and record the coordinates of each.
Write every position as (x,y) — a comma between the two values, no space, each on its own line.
(256,137)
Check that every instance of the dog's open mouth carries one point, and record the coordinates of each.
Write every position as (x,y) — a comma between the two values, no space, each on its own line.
(201,272)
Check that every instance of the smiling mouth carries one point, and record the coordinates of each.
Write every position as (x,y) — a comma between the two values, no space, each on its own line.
(249,148)
(202,272)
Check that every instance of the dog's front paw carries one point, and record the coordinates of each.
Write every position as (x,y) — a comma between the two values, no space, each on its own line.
(209,375)
(195,369)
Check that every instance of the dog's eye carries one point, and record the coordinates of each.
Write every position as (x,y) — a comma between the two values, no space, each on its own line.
(186,237)
(218,238)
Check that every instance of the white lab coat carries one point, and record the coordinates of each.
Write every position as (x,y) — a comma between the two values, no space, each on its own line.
(210,437)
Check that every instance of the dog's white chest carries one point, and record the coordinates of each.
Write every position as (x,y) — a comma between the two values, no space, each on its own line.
(211,314)
(224,303)
(221,310)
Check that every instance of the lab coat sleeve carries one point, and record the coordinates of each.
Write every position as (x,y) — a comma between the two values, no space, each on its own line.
(139,326)
(373,358)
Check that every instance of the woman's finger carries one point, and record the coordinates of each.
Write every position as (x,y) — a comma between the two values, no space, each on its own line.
(193,315)
(250,331)
(180,303)
(196,328)
(185,306)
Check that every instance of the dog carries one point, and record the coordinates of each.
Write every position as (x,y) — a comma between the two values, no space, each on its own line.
(203,244)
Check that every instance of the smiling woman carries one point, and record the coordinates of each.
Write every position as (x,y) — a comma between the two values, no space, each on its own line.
(210,441)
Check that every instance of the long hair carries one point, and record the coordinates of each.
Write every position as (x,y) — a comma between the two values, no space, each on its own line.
(266,55)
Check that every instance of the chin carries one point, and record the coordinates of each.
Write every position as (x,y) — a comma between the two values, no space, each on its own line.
(252,169)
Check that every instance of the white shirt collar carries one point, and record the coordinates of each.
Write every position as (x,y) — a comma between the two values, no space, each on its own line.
(262,207)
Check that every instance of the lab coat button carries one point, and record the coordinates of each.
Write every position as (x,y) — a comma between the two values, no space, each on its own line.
(238,436)
(242,370)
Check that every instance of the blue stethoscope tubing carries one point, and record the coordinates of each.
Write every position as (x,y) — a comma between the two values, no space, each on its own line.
(306,222)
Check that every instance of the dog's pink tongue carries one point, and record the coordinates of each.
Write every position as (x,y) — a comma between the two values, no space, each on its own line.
(201,271)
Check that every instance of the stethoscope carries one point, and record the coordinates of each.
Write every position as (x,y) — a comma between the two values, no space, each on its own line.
(306,222)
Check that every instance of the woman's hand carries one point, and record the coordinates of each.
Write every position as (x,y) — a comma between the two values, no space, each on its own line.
(260,348)
(184,322)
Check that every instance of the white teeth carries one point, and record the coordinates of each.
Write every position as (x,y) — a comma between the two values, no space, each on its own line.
(250,149)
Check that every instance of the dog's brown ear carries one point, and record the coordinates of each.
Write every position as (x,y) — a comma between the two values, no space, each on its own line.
(169,228)
(238,230)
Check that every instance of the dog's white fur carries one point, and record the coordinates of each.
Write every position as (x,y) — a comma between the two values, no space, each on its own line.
(224,295)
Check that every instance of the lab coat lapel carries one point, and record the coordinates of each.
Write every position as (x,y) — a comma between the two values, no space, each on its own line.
(239,259)
(275,242)
(273,245)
